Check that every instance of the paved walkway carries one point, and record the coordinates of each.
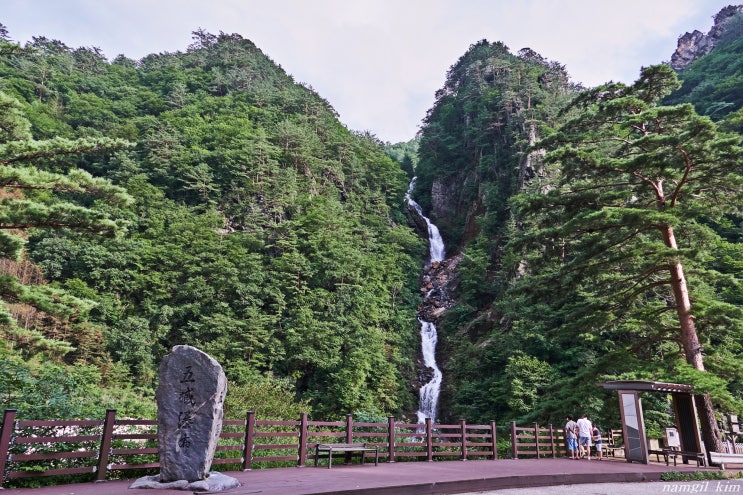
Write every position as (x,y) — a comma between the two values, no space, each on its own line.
(405,478)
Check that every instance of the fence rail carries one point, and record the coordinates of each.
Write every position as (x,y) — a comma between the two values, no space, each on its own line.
(536,441)
(111,447)
(107,448)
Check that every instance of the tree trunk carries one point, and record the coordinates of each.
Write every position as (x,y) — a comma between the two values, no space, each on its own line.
(689,337)
(710,432)
(692,349)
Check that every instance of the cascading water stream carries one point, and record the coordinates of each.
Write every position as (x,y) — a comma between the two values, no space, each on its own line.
(435,242)
(429,393)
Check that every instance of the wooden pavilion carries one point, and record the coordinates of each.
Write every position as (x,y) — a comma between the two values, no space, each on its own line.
(688,441)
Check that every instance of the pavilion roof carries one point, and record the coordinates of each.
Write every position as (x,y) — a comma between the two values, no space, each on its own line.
(641,385)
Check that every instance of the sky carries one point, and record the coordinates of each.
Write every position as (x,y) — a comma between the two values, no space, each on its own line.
(379,62)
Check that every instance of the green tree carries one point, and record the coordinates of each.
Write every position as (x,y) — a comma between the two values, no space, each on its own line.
(263,230)
(526,378)
(269,397)
(474,154)
(623,219)
(40,191)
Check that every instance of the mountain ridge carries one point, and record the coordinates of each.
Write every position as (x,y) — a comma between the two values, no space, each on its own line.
(694,45)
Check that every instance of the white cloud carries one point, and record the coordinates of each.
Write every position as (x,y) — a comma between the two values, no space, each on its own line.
(379,62)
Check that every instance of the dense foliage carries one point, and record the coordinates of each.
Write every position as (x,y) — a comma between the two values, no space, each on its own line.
(477,133)
(565,279)
(475,153)
(261,230)
(626,236)
(406,154)
(205,198)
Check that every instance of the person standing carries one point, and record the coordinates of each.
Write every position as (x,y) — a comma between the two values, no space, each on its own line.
(571,436)
(585,430)
(598,442)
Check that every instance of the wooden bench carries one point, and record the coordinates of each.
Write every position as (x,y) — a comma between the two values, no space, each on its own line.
(723,458)
(673,453)
(327,450)
(612,442)
(611,450)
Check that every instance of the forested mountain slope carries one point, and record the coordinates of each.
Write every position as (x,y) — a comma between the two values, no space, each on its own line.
(475,154)
(259,229)
(577,213)
(203,197)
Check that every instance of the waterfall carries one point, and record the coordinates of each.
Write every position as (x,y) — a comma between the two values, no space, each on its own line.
(429,393)
(435,242)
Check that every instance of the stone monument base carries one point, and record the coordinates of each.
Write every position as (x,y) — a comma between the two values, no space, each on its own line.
(215,482)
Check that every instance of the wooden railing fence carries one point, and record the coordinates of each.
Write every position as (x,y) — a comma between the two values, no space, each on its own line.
(106,449)
(535,441)
(540,442)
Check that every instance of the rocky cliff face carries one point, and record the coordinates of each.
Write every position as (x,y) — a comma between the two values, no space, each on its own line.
(438,284)
(455,199)
(694,45)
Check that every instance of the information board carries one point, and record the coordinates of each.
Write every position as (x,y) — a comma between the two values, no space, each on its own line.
(634,429)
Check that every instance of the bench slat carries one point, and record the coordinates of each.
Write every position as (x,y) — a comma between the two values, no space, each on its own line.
(327,449)
(723,458)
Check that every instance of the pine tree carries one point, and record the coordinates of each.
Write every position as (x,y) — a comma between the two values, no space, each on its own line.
(33,195)
(623,220)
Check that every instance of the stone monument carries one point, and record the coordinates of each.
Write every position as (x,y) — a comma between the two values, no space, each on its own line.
(190,398)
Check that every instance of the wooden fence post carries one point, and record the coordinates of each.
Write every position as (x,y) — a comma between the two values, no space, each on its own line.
(493,440)
(349,428)
(302,439)
(429,439)
(514,440)
(349,435)
(536,438)
(248,440)
(391,438)
(553,441)
(105,450)
(463,427)
(6,433)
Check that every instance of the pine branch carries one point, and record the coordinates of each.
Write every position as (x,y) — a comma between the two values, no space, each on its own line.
(24,151)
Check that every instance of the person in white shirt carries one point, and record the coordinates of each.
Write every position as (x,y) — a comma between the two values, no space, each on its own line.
(585,430)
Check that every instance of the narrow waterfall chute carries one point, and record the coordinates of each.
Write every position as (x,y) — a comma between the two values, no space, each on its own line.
(436,248)
(429,392)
